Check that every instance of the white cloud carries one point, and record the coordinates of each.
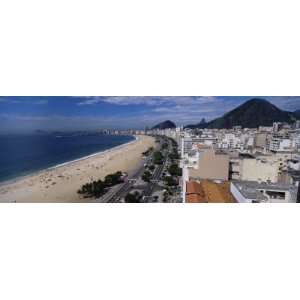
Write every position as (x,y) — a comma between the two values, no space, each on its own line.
(23,101)
(288,102)
(41,102)
(181,110)
(148,100)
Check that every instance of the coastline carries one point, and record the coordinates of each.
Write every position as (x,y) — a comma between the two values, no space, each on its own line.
(61,182)
(38,172)
(94,154)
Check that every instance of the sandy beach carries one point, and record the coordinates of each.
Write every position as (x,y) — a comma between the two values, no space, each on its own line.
(61,184)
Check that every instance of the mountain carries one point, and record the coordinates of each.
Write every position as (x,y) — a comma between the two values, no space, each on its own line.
(165,125)
(297,114)
(251,114)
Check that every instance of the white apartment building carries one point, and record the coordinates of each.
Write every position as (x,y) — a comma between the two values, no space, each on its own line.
(260,168)
(295,140)
(277,126)
(250,142)
(265,129)
(279,144)
(188,142)
(230,141)
(190,160)
(294,164)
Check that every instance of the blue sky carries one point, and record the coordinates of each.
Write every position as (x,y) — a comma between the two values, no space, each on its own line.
(68,113)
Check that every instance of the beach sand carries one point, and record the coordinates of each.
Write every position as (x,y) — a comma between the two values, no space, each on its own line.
(61,184)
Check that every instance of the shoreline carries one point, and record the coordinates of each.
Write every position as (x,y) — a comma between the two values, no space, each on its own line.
(93,154)
(67,163)
(60,184)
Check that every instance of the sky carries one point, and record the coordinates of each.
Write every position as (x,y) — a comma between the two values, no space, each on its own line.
(93,112)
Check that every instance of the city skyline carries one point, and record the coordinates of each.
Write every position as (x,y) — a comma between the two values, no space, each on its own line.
(90,112)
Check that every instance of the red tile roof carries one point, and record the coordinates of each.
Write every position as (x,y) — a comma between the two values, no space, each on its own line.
(208,192)
(193,187)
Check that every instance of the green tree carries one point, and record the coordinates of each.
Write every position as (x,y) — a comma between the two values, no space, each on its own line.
(99,187)
(151,167)
(147,176)
(170,181)
(133,198)
(157,158)
(174,170)
(146,153)
(164,146)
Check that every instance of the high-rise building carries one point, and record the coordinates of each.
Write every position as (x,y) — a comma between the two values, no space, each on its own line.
(277,126)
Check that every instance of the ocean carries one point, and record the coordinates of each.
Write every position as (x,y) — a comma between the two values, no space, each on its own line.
(22,155)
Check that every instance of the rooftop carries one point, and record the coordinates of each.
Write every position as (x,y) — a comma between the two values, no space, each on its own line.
(264,185)
(193,187)
(251,189)
(194,198)
(217,192)
(208,191)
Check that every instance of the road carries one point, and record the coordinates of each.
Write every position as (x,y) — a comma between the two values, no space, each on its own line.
(122,190)
(157,175)
(119,192)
